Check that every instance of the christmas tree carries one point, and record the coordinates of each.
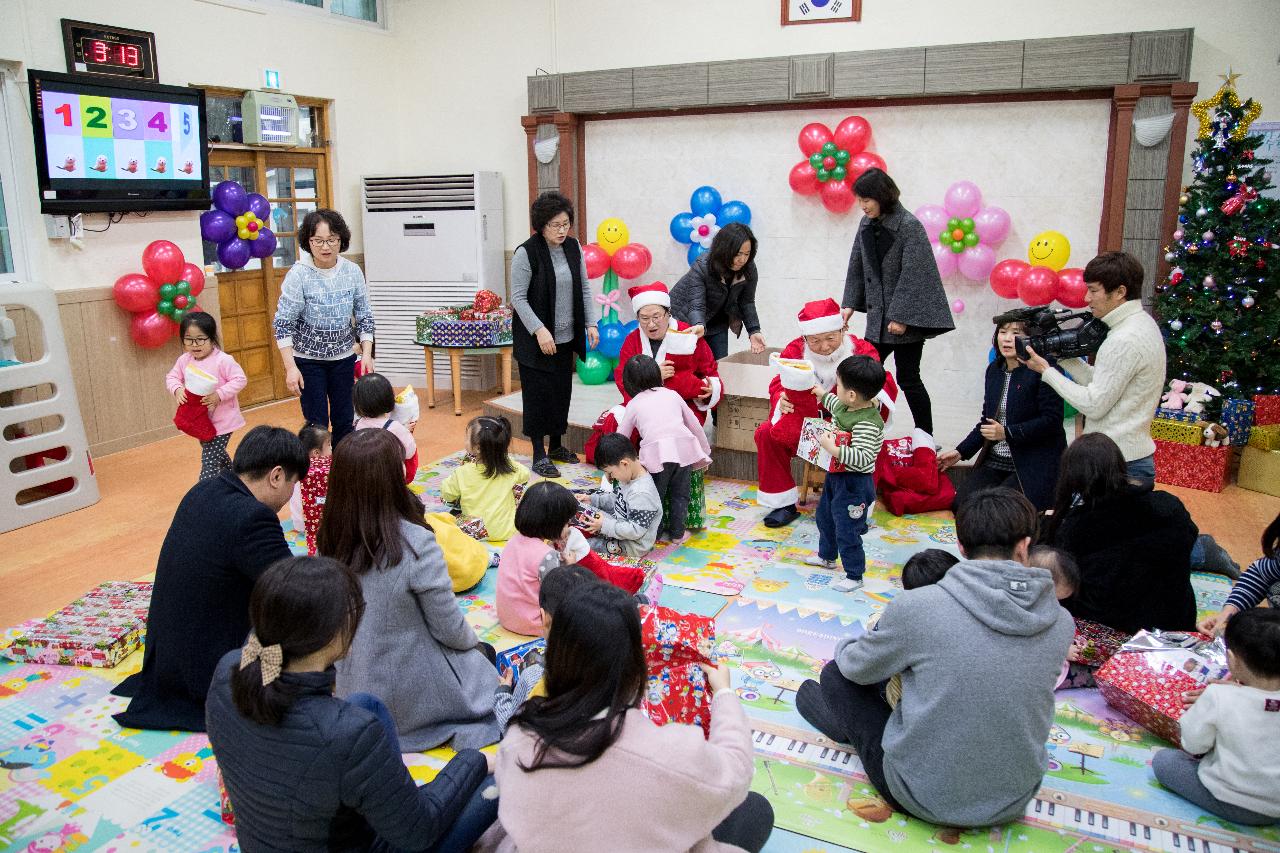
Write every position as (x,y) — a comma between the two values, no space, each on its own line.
(1219,307)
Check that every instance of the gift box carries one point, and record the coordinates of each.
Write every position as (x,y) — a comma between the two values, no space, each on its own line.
(473,527)
(99,629)
(695,518)
(1182,432)
(1097,643)
(1260,471)
(479,329)
(1265,437)
(514,659)
(583,517)
(1237,417)
(810,451)
(224,799)
(1147,676)
(1266,409)
(674,645)
(431,316)
(1203,468)
(1178,415)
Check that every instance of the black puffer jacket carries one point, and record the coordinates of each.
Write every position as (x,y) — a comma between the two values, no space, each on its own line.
(700,295)
(327,778)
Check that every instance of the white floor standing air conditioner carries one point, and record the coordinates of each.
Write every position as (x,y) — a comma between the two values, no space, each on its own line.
(429,241)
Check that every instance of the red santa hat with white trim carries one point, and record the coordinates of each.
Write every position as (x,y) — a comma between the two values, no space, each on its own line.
(649,294)
(819,316)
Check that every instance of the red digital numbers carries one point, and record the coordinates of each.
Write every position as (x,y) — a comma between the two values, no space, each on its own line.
(100,52)
(103,53)
(130,55)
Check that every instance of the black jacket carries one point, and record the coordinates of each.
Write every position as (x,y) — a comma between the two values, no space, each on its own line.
(542,299)
(221,539)
(1134,552)
(1033,429)
(327,778)
(700,295)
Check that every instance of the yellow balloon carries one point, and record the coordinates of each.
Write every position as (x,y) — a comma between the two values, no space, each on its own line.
(1049,249)
(244,233)
(250,217)
(242,220)
(612,235)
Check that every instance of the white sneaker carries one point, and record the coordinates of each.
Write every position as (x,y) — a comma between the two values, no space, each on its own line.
(815,560)
(847,584)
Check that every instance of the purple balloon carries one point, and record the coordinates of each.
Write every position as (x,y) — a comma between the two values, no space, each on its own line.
(234,253)
(934,218)
(216,226)
(963,199)
(259,206)
(230,197)
(264,245)
(976,262)
(992,225)
(945,259)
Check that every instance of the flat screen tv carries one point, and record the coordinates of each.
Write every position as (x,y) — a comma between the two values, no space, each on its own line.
(127,146)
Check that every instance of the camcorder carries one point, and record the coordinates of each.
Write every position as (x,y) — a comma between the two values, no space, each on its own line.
(1060,333)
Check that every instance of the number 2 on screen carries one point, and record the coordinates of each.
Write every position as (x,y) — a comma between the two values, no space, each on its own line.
(158,122)
(97,118)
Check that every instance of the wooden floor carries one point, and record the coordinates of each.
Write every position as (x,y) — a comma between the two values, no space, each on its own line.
(45,565)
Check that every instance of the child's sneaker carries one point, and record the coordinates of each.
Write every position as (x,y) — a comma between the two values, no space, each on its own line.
(815,560)
(847,584)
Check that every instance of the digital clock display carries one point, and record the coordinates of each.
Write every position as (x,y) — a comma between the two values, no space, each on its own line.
(104,50)
(100,52)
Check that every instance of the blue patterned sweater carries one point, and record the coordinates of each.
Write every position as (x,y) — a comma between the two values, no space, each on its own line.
(321,312)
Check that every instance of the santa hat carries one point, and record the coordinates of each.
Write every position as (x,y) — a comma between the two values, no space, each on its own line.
(649,294)
(822,315)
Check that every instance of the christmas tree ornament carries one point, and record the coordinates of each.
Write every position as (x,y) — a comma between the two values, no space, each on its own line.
(1193,248)
(1216,325)
(1176,325)
(1179,234)
(1210,283)
(1248,302)
(1236,203)
(1231,177)
(1208,235)
(1201,212)
(1176,274)
(1238,247)
(1170,257)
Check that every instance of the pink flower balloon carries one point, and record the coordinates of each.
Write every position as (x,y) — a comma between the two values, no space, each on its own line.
(945,259)
(963,199)
(992,224)
(957,307)
(933,217)
(976,262)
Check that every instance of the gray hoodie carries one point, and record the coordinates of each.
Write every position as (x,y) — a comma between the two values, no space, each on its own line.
(980,653)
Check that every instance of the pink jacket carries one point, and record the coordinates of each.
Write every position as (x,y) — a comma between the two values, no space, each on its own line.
(226,415)
(655,789)
(520,569)
(669,432)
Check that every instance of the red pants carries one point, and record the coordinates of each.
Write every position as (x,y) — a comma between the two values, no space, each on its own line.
(773,462)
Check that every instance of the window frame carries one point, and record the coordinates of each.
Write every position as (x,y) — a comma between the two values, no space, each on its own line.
(12,177)
(323,12)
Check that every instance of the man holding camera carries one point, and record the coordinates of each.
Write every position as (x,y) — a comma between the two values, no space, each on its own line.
(1119,392)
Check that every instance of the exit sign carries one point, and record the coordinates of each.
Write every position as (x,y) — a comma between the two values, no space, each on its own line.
(270,78)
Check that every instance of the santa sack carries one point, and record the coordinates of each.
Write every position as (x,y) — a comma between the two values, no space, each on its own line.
(797,378)
(192,416)
(406,410)
(907,476)
(605,424)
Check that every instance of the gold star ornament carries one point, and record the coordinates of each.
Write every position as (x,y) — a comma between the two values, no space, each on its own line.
(1204,110)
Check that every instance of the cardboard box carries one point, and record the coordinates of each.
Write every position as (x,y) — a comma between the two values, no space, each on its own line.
(1203,468)
(746,377)
(1260,471)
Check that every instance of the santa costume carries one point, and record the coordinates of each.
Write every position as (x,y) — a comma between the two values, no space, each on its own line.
(908,478)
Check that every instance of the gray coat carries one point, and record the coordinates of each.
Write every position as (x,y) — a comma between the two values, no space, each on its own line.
(908,289)
(416,653)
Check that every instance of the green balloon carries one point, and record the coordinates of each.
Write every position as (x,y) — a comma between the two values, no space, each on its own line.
(177,315)
(815,160)
(957,247)
(596,369)
(842,156)
(966,225)
(839,173)
(971,239)
(167,291)
(953,224)
(824,175)
(829,149)
(944,237)
(183,287)
(165,307)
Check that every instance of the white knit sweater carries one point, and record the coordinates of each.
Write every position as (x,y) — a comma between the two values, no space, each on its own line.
(1119,393)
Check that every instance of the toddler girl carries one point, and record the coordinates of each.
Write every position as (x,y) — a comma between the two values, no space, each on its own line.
(672,443)
(482,485)
(542,530)
(307,504)
(205,382)
(375,402)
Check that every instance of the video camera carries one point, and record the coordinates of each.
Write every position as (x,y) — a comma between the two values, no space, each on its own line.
(1059,333)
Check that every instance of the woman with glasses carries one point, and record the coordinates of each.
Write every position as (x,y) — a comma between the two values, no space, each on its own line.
(718,293)
(323,308)
(554,320)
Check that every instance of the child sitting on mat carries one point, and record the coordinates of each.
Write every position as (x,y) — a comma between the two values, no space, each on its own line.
(483,485)
(632,510)
(307,503)
(923,568)
(1260,582)
(375,403)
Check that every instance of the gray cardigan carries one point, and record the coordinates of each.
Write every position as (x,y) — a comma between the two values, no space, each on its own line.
(907,289)
(416,653)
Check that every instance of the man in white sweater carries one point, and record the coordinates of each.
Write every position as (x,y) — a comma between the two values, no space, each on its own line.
(1119,392)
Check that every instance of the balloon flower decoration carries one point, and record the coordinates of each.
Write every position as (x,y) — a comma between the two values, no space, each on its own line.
(613,256)
(706,215)
(1043,279)
(833,161)
(161,295)
(237,224)
(966,233)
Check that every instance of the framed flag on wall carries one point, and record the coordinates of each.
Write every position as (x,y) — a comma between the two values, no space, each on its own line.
(820,11)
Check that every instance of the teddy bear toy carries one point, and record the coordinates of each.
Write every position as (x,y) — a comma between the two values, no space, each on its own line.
(1215,435)
(1200,393)
(1177,395)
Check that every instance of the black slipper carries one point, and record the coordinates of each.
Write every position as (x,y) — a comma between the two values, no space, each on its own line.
(562,454)
(544,467)
(782,516)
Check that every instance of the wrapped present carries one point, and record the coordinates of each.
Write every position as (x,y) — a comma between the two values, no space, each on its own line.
(1237,417)
(695,518)
(1182,432)
(1177,415)
(674,645)
(473,527)
(431,316)
(1260,471)
(810,451)
(224,799)
(486,300)
(584,516)
(513,659)
(1146,678)
(487,329)
(1265,437)
(1097,643)
(1266,409)
(1203,468)
(99,629)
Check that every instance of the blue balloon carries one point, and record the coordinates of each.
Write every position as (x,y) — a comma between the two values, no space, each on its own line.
(696,251)
(705,200)
(734,211)
(991,356)
(682,226)
(630,326)
(611,338)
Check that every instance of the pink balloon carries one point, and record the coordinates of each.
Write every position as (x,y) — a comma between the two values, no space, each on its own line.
(1037,285)
(976,262)
(837,196)
(934,218)
(957,307)
(1071,288)
(859,163)
(631,260)
(1005,275)
(803,178)
(945,259)
(963,199)
(135,292)
(151,330)
(992,225)
(597,260)
(813,136)
(853,134)
(194,277)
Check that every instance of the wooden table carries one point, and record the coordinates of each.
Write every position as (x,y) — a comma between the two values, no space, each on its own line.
(455,369)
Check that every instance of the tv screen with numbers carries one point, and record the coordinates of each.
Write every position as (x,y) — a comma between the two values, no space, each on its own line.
(127,146)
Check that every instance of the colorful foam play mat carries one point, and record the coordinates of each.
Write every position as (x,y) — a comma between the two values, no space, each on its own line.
(71,779)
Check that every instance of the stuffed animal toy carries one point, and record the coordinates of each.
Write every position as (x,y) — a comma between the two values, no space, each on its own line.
(1200,393)
(1215,435)
(1176,396)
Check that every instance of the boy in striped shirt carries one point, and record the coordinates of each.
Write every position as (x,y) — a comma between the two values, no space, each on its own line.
(847,497)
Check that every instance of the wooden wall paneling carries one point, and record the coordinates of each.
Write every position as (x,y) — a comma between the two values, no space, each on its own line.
(1076,62)
(569,129)
(530,125)
(984,67)
(548,173)
(876,73)
(667,86)
(78,352)
(749,81)
(811,76)
(1148,252)
(1116,180)
(1144,194)
(1180,97)
(1160,56)
(544,93)
(1142,224)
(113,381)
(597,91)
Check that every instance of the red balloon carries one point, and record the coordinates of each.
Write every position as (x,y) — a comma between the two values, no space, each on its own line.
(859,163)
(135,292)
(1071,288)
(631,260)
(597,260)
(163,261)
(813,137)
(803,178)
(1037,286)
(151,330)
(1005,275)
(194,277)
(180,301)
(837,196)
(853,134)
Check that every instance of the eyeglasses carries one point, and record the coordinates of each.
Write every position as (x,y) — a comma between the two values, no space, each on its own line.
(652,321)
(195,342)
(559,226)
(326,241)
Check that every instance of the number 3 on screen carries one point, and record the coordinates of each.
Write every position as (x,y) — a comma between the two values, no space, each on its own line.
(128,119)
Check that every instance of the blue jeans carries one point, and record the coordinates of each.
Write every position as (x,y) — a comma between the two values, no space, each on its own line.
(842,519)
(326,393)
(718,342)
(1143,470)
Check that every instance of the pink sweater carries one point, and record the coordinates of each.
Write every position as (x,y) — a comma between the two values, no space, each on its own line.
(655,789)
(523,563)
(669,432)
(226,415)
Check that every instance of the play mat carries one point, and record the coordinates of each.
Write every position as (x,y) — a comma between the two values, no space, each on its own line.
(71,779)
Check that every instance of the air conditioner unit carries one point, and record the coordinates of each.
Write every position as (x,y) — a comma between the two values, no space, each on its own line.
(430,241)
(270,118)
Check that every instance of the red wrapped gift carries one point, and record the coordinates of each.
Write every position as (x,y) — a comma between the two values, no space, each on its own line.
(473,527)
(1147,677)
(674,644)
(1266,409)
(1204,468)
(1097,643)
(224,799)
(314,489)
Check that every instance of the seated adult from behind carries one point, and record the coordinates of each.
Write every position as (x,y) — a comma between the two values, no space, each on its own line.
(1133,544)
(977,697)
(223,537)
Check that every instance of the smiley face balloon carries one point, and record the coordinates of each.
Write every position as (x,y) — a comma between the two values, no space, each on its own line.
(612,234)
(1049,249)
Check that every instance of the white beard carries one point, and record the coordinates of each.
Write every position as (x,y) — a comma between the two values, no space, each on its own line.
(824,366)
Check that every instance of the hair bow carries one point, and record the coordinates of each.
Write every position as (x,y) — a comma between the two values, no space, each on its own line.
(609,301)
(271,657)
